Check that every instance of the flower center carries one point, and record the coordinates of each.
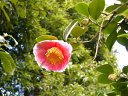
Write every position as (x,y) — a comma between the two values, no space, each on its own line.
(54,55)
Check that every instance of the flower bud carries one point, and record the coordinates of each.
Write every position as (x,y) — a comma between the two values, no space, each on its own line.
(84,22)
(112,77)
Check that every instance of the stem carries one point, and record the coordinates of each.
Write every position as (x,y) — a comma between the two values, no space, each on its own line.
(113,14)
(90,39)
(109,19)
(98,42)
(101,29)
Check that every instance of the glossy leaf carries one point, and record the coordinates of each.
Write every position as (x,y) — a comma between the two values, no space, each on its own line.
(5,13)
(106,69)
(122,40)
(78,31)
(45,37)
(125,70)
(8,63)
(112,7)
(121,84)
(124,25)
(117,19)
(95,8)
(122,9)
(125,13)
(68,29)
(82,8)
(111,40)
(110,28)
(103,78)
(123,35)
(116,7)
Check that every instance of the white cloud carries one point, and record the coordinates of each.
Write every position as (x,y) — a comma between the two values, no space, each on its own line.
(111,2)
(121,55)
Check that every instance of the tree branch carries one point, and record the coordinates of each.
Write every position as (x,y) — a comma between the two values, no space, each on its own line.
(90,39)
(98,42)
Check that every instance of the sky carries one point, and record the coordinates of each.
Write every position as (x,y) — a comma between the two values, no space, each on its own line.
(111,2)
(122,54)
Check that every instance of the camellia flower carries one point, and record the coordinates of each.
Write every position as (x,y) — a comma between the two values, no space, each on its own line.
(53,55)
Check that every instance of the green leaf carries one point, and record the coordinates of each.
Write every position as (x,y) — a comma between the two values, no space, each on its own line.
(14,1)
(1,49)
(112,7)
(123,1)
(122,9)
(106,69)
(110,28)
(121,84)
(75,45)
(5,13)
(82,8)
(95,8)
(78,31)
(118,18)
(122,40)
(123,35)
(125,70)
(45,37)
(125,13)
(69,28)
(8,63)
(124,25)
(111,40)
(118,8)
(21,11)
(103,78)
(111,94)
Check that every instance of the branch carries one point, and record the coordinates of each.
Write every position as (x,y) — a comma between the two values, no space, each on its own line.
(98,42)
(109,20)
(90,39)
(113,14)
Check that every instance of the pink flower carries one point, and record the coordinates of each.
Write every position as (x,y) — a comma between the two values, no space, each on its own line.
(52,55)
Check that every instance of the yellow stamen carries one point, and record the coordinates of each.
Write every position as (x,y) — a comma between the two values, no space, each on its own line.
(54,55)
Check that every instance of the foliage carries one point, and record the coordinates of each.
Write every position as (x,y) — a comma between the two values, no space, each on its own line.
(99,28)
(113,23)
(7,61)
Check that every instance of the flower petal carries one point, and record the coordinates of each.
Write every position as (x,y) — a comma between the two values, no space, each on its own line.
(40,50)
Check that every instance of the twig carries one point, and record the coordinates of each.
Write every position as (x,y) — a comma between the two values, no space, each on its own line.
(109,19)
(90,39)
(101,29)
(113,14)
(99,37)
(105,14)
